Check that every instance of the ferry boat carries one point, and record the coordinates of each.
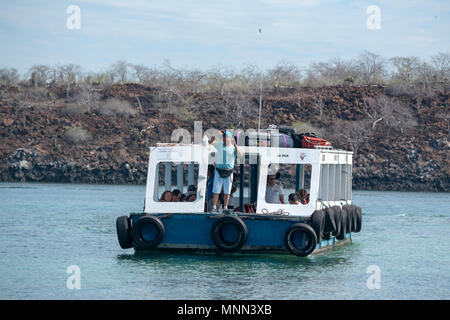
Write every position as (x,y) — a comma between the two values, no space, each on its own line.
(253,225)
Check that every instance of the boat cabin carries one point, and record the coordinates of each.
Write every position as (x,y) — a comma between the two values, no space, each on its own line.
(325,174)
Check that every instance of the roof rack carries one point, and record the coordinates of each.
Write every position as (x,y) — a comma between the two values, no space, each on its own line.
(323,147)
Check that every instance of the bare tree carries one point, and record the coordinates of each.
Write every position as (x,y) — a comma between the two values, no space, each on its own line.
(318,103)
(248,80)
(372,111)
(393,114)
(426,83)
(120,70)
(355,133)
(9,76)
(176,84)
(147,76)
(441,65)
(419,100)
(332,72)
(405,68)
(88,97)
(39,75)
(218,77)
(194,79)
(371,68)
(284,75)
(240,110)
(102,79)
(67,76)
(140,72)
(405,118)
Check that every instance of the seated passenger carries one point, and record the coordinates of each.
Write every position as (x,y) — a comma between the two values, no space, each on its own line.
(303,195)
(166,196)
(274,192)
(176,195)
(191,196)
(191,190)
(293,199)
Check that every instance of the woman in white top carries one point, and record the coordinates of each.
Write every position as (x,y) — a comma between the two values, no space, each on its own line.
(274,192)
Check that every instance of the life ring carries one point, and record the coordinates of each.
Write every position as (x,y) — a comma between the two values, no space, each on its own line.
(154,226)
(344,224)
(220,239)
(123,227)
(290,239)
(358,219)
(318,223)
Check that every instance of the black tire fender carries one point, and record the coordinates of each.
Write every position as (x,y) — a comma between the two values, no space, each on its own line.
(318,223)
(344,223)
(310,233)
(337,219)
(123,228)
(358,219)
(136,232)
(330,225)
(217,238)
(354,217)
(326,236)
(349,208)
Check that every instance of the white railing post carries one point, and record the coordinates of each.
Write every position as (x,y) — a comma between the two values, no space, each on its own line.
(190,174)
(168,176)
(180,176)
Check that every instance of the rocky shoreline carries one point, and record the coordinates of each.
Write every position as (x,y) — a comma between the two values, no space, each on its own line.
(34,146)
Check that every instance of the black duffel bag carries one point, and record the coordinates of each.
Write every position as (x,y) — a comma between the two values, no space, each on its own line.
(298,137)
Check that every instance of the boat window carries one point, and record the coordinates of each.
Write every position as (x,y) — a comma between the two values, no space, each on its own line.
(335,182)
(293,179)
(171,176)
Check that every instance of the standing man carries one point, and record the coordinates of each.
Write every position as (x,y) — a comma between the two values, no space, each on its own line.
(227,151)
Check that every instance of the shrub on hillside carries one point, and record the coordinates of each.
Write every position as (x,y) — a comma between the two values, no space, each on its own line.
(74,108)
(398,88)
(305,127)
(77,135)
(114,107)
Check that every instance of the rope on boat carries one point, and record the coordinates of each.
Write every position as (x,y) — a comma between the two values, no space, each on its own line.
(279,212)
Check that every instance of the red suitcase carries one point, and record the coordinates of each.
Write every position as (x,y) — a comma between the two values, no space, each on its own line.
(311,142)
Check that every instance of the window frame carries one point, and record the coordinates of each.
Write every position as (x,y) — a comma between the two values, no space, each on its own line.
(177,154)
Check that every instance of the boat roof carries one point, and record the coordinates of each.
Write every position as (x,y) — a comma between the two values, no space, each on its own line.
(192,152)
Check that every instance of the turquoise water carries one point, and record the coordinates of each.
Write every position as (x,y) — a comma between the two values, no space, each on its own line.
(45,228)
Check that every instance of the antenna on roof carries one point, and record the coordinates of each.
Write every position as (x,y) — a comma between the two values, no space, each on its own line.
(260,97)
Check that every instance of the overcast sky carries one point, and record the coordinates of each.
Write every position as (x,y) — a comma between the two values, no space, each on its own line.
(203,34)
